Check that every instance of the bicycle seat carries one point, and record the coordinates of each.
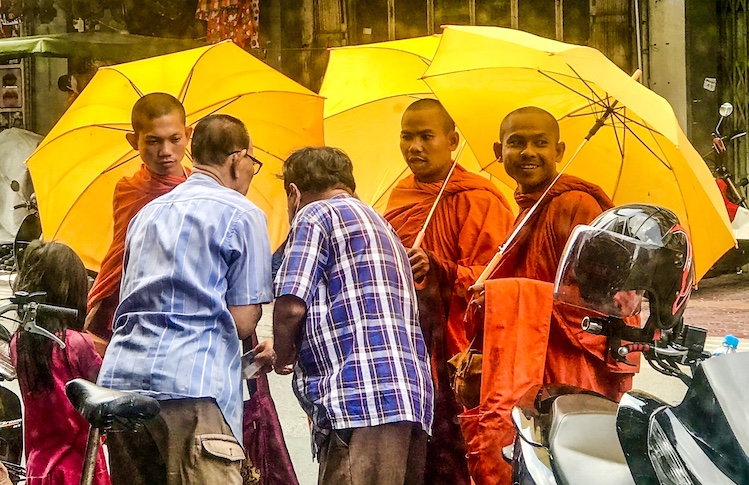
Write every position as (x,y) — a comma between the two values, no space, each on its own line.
(102,407)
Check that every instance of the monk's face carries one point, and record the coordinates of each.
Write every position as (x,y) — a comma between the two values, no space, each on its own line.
(426,144)
(161,144)
(530,150)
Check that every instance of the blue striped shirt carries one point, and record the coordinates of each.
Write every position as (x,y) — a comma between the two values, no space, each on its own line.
(362,360)
(188,256)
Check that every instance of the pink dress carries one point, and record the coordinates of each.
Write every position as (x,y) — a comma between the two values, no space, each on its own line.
(55,433)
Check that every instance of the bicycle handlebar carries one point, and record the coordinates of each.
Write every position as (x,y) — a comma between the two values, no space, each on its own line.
(45,310)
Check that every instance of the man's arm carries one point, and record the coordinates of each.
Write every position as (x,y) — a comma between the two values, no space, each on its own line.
(246,318)
(289,315)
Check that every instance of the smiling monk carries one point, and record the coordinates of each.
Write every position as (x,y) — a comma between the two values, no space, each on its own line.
(528,339)
(469,223)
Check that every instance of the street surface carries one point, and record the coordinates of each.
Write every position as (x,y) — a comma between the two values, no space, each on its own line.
(721,305)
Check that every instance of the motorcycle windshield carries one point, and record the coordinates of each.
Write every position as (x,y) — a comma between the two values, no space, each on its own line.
(714,411)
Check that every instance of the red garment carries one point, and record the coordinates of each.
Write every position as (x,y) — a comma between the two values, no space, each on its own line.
(231,19)
(574,356)
(730,206)
(55,434)
(468,225)
(515,340)
(131,194)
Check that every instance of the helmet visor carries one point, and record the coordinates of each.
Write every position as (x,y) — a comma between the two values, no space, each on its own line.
(605,272)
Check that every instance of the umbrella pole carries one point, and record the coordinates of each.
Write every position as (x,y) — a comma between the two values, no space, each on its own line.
(422,232)
(503,248)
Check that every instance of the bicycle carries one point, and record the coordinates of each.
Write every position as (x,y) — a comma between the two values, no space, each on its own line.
(102,408)
(27,307)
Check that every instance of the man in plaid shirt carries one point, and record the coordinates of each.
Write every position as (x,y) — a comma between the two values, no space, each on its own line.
(346,323)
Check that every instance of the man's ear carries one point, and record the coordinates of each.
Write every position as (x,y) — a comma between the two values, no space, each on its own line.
(132,139)
(188,132)
(454,138)
(560,151)
(498,151)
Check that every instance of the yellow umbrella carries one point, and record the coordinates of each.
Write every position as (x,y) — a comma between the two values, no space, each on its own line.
(367,89)
(639,155)
(77,165)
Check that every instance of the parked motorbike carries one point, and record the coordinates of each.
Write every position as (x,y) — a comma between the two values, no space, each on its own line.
(566,435)
(29,230)
(736,203)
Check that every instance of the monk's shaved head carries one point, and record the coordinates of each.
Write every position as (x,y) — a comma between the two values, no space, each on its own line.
(445,119)
(153,106)
(530,110)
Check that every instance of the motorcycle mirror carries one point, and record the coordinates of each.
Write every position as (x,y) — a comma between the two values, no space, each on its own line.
(15,186)
(738,135)
(725,109)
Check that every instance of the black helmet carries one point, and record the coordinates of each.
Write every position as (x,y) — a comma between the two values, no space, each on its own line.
(625,253)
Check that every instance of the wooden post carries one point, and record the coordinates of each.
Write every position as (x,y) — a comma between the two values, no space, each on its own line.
(559,14)
(471,12)
(391,19)
(514,14)
(308,32)
(430,17)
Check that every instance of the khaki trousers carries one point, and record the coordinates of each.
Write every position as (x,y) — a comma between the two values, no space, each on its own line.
(188,443)
(389,454)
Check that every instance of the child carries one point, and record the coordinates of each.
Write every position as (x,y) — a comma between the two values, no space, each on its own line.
(55,434)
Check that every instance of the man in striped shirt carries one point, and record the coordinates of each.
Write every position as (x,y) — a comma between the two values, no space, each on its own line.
(346,323)
(196,271)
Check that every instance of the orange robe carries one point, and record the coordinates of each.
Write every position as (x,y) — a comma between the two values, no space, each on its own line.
(572,356)
(470,221)
(131,194)
(468,225)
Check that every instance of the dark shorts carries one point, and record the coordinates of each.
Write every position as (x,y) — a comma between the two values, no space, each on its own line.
(188,443)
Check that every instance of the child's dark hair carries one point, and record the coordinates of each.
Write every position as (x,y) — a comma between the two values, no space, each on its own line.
(55,269)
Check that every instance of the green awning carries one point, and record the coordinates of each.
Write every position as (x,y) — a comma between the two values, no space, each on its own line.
(97,45)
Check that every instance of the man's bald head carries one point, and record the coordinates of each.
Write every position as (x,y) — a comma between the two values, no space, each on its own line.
(530,110)
(153,106)
(440,112)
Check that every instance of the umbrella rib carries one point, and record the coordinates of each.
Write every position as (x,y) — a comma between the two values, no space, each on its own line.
(112,167)
(589,99)
(652,132)
(390,186)
(621,145)
(62,222)
(604,102)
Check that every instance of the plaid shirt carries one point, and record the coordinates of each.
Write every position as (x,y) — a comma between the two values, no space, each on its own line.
(362,360)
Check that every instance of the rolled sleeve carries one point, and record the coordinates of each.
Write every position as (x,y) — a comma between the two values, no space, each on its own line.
(304,260)
(249,260)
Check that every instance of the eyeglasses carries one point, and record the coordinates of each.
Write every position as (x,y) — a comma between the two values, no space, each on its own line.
(256,164)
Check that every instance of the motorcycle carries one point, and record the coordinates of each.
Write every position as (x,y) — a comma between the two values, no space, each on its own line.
(735,202)
(29,230)
(567,435)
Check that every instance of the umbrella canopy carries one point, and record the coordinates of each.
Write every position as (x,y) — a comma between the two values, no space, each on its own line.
(367,89)
(77,165)
(480,74)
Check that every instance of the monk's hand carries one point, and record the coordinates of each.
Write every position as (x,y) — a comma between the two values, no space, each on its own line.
(265,356)
(419,261)
(478,296)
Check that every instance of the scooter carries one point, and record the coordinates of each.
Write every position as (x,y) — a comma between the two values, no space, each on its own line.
(736,204)
(567,435)
(29,230)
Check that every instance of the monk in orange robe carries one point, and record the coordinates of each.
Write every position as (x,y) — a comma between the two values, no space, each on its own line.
(530,149)
(469,222)
(160,137)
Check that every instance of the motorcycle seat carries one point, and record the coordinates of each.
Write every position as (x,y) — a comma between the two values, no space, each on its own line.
(103,407)
(584,443)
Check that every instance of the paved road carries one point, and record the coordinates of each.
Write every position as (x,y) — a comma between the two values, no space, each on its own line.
(720,305)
